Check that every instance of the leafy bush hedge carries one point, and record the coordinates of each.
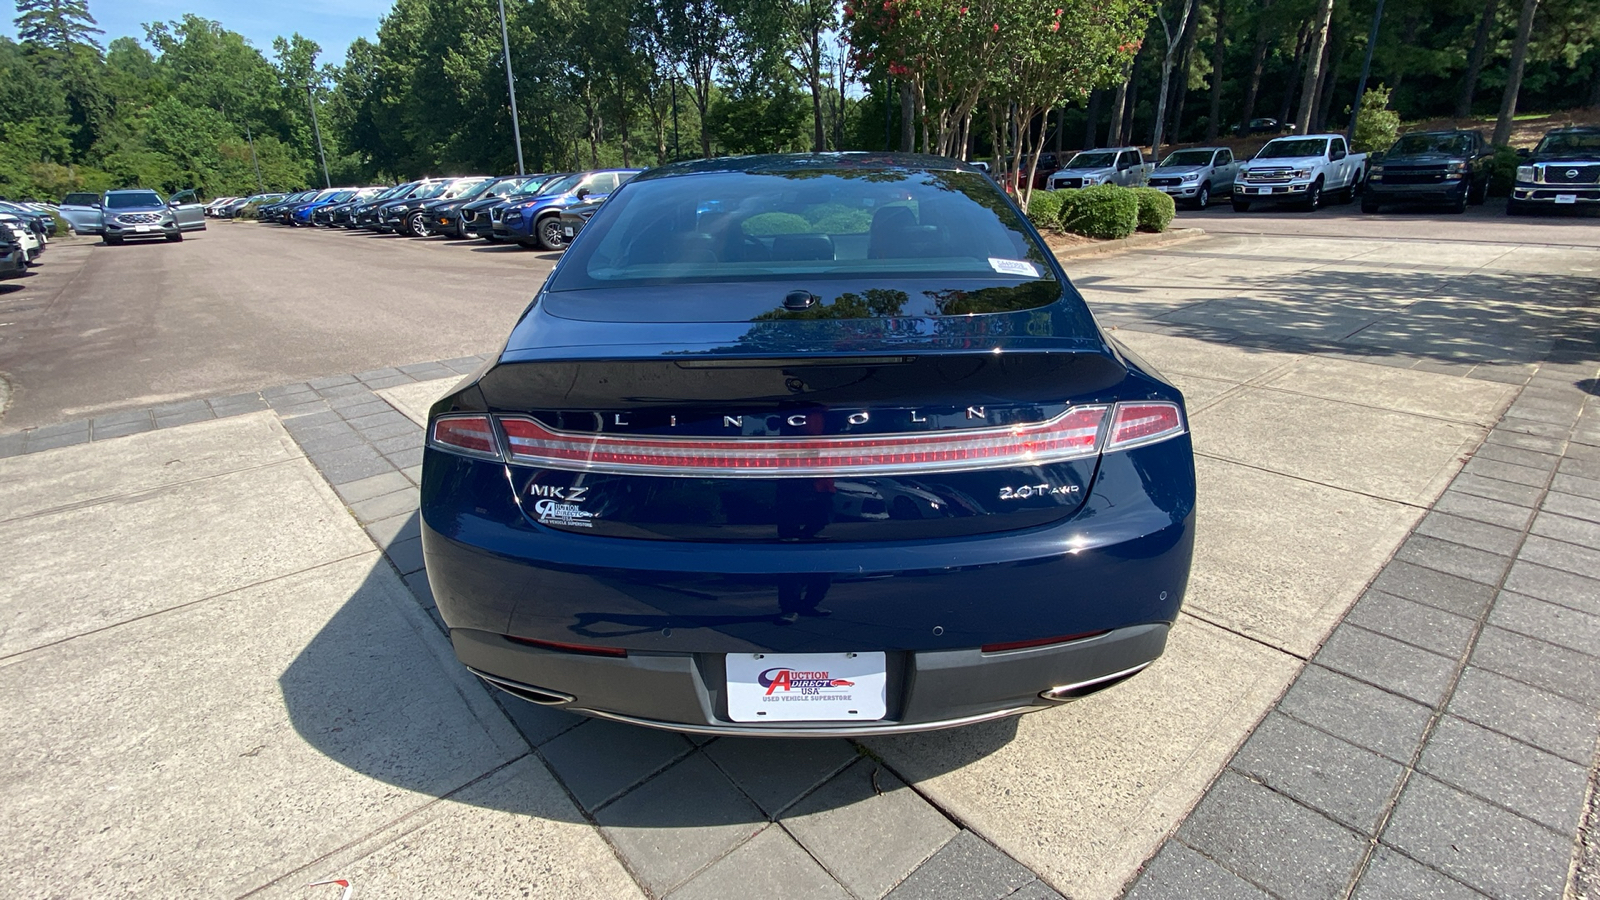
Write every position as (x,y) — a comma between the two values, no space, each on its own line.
(1105,211)
(249,211)
(1044,209)
(1156,209)
(1503,171)
(1377,126)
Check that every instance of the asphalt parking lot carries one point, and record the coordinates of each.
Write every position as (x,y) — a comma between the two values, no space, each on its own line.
(1383,683)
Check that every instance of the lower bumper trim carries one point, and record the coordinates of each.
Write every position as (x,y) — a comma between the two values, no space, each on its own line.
(821,732)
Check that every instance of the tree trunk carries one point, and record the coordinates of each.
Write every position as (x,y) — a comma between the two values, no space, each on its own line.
(1097,99)
(1218,53)
(1257,62)
(1299,69)
(1480,49)
(819,142)
(1313,80)
(1119,102)
(1158,128)
(1519,59)
(1125,136)
(1331,62)
(908,119)
(1185,69)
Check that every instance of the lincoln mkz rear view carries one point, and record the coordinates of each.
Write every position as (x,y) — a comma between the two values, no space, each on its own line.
(808,445)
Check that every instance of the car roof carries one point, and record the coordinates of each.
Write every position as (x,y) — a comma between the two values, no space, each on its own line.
(1568,129)
(798,162)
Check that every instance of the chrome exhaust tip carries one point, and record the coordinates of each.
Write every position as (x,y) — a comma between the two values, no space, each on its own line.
(538,695)
(1066,693)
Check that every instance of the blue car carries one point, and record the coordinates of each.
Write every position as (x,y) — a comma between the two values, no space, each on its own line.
(302,214)
(823,444)
(536,221)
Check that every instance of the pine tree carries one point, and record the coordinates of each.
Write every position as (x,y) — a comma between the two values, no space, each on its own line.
(57,24)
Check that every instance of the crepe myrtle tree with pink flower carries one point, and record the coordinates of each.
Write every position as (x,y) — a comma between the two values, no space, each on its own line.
(1017,60)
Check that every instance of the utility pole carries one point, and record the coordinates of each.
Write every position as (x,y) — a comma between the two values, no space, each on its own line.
(1366,70)
(511,86)
(317,130)
(261,186)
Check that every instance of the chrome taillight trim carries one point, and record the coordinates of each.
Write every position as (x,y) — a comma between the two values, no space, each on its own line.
(749,453)
(745,449)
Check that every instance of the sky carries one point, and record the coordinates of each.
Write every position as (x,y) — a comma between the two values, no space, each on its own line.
(333,24)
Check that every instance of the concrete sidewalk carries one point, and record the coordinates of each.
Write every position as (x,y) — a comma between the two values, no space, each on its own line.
(260,698)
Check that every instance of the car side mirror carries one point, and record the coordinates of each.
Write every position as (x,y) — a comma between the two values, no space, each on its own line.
(95,205)
(582,193)
(1522,153)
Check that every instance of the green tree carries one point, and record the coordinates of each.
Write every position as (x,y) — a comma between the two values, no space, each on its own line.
(57,24)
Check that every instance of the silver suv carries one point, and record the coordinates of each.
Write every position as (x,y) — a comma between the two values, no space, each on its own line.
(143,214)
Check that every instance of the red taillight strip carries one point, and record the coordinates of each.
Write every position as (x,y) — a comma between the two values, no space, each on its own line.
(469,434)
(1137,424)
(1073,434)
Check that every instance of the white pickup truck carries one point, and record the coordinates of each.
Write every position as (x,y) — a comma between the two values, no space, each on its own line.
(1301,170)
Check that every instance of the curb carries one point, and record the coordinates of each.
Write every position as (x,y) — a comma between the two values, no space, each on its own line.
(1135,242)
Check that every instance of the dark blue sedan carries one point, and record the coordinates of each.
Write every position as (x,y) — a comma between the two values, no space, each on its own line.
(808,445)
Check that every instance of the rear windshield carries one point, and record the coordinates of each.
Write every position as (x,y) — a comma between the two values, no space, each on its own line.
(132,199)
(1282,149)
(844,225)
(81,199)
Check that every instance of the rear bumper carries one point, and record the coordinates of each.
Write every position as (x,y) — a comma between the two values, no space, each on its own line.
(1118,569)
(926,690)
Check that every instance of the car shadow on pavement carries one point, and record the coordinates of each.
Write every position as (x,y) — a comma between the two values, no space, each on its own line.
(378,690)
(1458,317)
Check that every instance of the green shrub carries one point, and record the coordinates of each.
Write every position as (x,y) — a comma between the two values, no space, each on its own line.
(848,221)
(771,223)
(1156,209)
(1105,211)
(1377,125)
(1503,171)
(1044,209)
(249,211)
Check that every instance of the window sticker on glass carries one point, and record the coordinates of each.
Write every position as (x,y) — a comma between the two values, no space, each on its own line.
(1014,267)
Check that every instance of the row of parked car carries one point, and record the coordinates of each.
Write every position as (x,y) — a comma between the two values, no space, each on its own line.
(542,211)
(1450,168)
(26,228)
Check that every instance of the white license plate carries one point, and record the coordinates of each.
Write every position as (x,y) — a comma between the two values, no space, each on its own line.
(1566,198)
(570,231)
(806,687)
(141,228)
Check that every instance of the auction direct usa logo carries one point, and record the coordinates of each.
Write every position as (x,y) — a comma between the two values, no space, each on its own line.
(790,680)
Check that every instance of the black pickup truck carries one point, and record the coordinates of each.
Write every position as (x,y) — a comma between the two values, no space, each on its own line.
(1564,170)
(1445,167)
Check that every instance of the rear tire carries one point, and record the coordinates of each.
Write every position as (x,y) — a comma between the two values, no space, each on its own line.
(1241,205)
(1459,204)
